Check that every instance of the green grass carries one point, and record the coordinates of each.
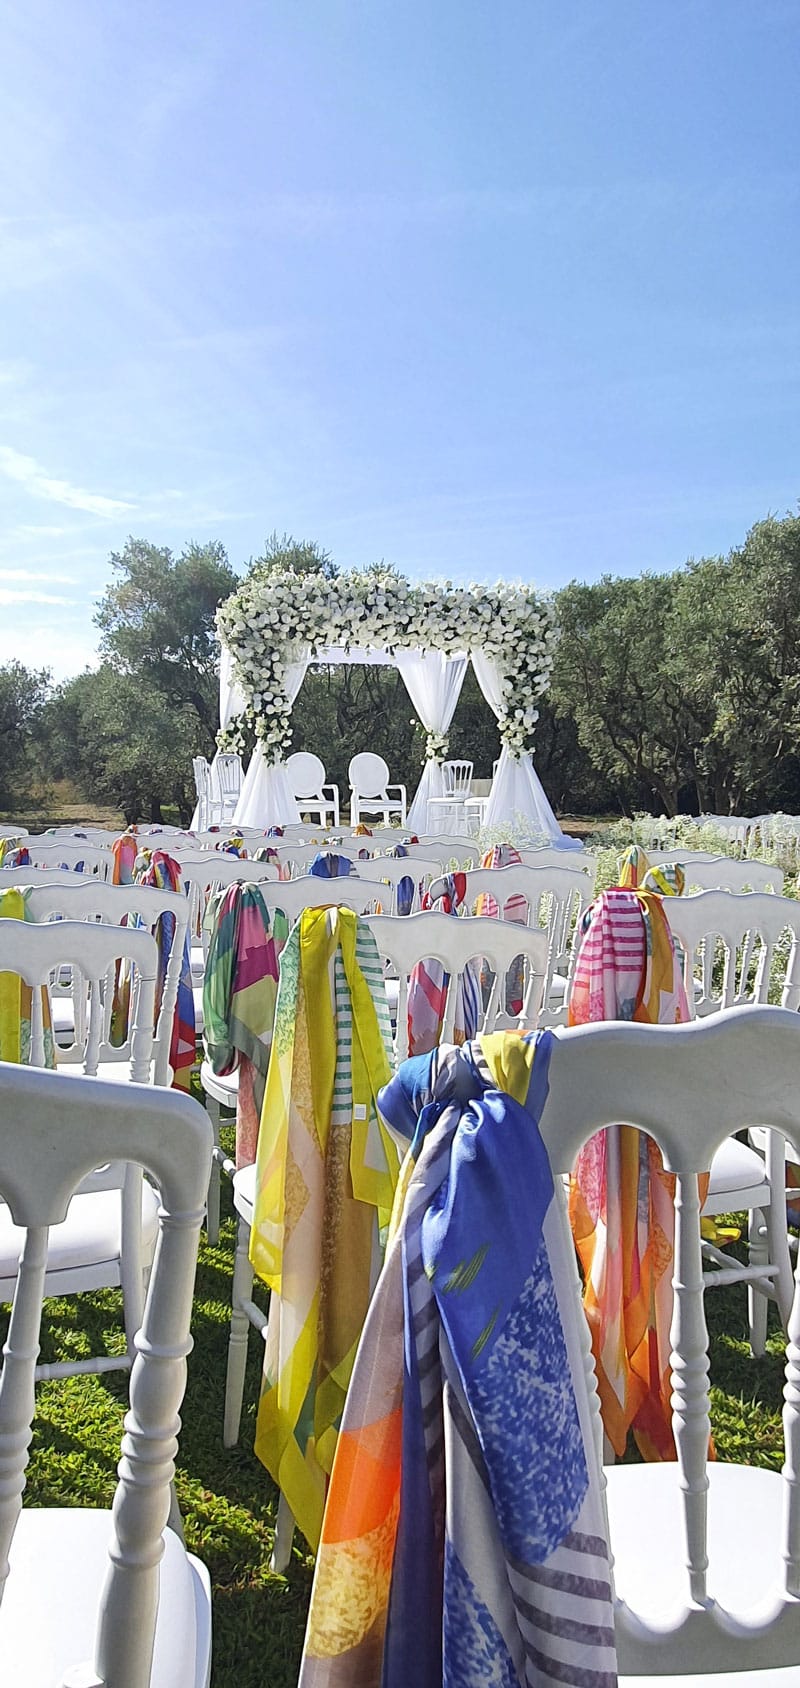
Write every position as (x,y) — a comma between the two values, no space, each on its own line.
(228,1501)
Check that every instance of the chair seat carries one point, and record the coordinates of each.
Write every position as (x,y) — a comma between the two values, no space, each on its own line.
(758,1135)
(66,1549)
(224,1090)
(62,1015)
(111,1072)
(654,1584)
(735,1167)
(244,1192)
(89,1236)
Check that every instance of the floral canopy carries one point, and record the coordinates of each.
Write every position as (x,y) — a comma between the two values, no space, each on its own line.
(278,622)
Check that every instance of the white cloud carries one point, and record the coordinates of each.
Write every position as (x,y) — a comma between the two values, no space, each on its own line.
(8,596)
(29,474)
(63,651)
(38,574)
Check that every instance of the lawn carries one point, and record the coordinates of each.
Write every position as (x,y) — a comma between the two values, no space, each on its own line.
(227,1499)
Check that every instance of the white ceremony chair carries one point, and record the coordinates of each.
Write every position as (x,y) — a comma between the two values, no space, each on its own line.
(9,831)
(307,779)
(572,861)
(226,785)
(556,901)
(722,873)
(453,943)
(203,790)
(458,853)
(91,1597)
(108,1236)
(457,778)
(730,943)
(370,792)
(214,837)
(697,1602)
(202,873)
(292,896)
(75,898)
(298,855)
(98,859)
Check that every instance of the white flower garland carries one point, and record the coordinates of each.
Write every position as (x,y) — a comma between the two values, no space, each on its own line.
(272,618)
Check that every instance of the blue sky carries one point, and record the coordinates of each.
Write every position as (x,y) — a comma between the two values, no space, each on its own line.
(483,287)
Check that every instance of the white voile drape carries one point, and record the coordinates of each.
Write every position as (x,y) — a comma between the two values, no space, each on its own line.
(231,702)
(517,790)
(266,797)
(433,682)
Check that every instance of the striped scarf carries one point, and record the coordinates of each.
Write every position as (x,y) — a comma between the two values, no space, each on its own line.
(326,1170)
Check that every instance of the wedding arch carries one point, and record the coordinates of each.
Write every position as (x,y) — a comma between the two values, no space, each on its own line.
(278,623)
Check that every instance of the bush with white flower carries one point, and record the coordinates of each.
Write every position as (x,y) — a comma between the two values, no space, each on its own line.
(274,619)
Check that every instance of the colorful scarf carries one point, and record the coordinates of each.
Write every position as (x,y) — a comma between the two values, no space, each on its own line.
(621,1199)
(125,850)
(16,998)
(326,1171)
(328,865)
(239,993)
(515,908)
(164,874)
(429,984)
(18,855)
(464,1540)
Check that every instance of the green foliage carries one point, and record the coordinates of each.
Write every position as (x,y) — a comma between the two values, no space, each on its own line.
(685,688)
(157,625)
(299,556)
(127,732)
(122,742)
(23,694)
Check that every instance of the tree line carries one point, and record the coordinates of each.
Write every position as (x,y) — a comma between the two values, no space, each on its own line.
(677,691)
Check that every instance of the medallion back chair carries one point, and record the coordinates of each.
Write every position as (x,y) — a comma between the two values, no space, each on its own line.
(694,1604)
(89,1598)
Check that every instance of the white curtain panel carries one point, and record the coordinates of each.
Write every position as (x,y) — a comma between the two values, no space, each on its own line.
(267,798)
(517,790)
(433,682)
(231,702)
(231,698)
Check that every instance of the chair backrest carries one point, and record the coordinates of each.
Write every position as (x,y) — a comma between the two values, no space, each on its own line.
(74,898)
(204,872)
(300,856)
(228,774)
(98,859)
(690,1087)
(33,952)
(306,774)
(446,848)
(454,943)
(210,838)
(730,942)
(556,900)
(724,873)
(368,774)
(575,861)
(10,831)
(457,778)
(202,775)
(294,895)
(71,1126)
